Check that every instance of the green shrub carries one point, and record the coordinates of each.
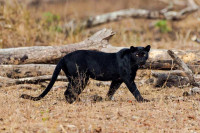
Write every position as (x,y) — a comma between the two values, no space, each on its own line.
(163,26)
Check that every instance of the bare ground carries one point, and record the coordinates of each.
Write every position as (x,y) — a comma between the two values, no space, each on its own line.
(168,111)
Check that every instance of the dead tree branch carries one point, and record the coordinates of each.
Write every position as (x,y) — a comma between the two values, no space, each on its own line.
(26,70)
(177,78)
(133,13)
(184,67)
(31,80)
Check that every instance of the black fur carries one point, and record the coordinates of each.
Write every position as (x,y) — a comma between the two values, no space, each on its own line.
(81,65)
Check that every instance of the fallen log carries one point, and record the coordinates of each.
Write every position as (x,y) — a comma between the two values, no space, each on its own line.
(34,70)
(50,54)
(158,58)
(35,80)
(172,78)
(182,65)
(31,80)
(133,13)
(165,78)
(5,82)
(27,70)
(172,72)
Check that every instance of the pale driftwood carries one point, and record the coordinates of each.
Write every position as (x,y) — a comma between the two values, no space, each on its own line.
(191,7)
(183,66)
(6,81)
(175,78)
(41,80)
(158,58)
(26,70)
(173,72)
(45,54)
(31,80)
(35,80)
(174,2)
(34,70)
(164,80)
(134,13)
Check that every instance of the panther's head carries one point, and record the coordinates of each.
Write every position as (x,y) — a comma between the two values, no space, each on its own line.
(139,55)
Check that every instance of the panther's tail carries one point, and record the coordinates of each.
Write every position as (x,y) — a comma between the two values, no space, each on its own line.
(53,79)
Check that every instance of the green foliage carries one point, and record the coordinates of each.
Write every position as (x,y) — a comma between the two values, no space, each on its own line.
(51,22)
(163,26)
(50,17)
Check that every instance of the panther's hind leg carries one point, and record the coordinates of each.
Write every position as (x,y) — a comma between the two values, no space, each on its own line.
(75,87)
(113,88)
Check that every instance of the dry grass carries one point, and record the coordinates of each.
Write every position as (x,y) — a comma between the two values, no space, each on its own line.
(168,110)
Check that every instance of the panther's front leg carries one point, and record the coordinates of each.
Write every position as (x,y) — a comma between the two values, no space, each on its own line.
(133,89)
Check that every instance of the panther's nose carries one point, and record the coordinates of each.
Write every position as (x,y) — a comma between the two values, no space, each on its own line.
(142,62)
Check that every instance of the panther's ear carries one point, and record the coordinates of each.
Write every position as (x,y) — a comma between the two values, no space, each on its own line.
(133,49)
(147,48)
(127,51)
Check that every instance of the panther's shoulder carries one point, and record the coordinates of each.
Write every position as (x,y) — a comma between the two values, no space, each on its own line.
(121,53)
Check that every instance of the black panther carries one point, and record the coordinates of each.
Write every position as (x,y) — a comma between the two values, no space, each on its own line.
(80,65)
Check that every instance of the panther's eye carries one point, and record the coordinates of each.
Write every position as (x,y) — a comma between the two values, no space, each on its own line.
(144,55)
(137,55)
